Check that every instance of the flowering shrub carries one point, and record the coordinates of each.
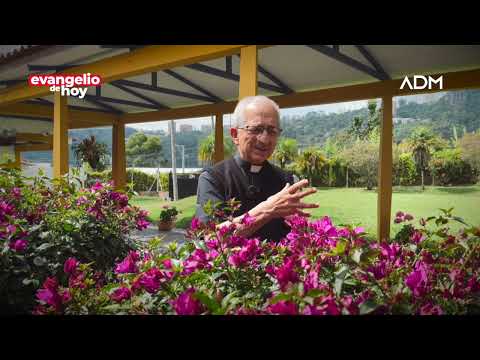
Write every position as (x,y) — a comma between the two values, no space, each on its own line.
(318,269)
(42,224)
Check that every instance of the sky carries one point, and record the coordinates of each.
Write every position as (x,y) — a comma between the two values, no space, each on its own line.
(197,122)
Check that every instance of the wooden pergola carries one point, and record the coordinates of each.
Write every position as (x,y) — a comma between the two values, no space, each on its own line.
(17,98)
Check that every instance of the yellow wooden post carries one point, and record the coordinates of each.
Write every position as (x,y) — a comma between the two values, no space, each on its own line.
(384,205)
(18,159)
(119,165)
(219,151)
(248,71)
(60,135)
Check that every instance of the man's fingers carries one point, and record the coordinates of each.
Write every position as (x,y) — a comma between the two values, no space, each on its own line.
(302,205)
(304,193)
(299,185)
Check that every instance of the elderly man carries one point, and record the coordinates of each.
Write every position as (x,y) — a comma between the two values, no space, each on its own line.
(266,192)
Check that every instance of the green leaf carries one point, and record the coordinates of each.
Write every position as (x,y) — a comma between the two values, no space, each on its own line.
(280,297)
(339,248)
(367,307)
(314,293)
(460,220)
(357,255)
(68,227)
(340,278)
(44,246)
(209,302)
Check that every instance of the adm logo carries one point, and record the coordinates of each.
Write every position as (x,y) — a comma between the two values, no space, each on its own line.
(426,82)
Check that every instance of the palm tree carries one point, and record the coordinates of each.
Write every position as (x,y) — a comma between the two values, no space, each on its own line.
(92,152)
(206,149)
(421,141)
(286,151)
(310,162)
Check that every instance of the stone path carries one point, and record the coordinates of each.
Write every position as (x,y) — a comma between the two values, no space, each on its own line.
(152,231)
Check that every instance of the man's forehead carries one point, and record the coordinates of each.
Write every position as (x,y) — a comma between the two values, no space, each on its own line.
(259,111)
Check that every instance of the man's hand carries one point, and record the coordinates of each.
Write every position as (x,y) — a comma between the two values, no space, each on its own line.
(287,201)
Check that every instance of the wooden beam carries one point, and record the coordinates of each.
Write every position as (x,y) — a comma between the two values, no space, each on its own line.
(60,136)
(180,113)
(34,147)
(384,205)
(219,151)
(141,61)
(119,165)
(96,118)
(248,72)
(34,137)
(451,81)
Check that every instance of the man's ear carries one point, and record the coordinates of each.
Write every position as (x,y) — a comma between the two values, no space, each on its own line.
(234,135)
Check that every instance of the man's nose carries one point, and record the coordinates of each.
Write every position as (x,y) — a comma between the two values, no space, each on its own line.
(264,137)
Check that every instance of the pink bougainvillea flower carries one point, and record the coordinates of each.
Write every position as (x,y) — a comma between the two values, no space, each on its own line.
(248,220)
(11,229)
(126,266)
(19,245)
(286,273)
(283,308)
(151,279)
(417,280)
(70,266)
(66,296)
(417,237)
(121,294)
(359,230)
(142,224)
(429,309)
(311,281)
(49,293)
(408,217)
(195,224)
(81,200)
(97,186)
(186,304)
(17,192)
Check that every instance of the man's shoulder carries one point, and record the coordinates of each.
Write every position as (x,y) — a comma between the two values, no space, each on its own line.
(286,175)
(219,167)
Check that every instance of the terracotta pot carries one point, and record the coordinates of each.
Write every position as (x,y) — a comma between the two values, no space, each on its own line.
(166,225)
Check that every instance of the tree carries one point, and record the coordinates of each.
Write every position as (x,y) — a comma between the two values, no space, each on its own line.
(92,152)
(310,162)
(362,128)
(286,151)
(206,149)
(422,142)
(144,151)
(470,147)
(405,169)
(363,159)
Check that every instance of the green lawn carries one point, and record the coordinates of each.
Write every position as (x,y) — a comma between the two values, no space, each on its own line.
(359,206)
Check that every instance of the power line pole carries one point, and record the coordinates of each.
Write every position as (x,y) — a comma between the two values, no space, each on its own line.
(171,127)
(183,157)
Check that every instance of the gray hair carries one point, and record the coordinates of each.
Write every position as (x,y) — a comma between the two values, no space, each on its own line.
(239,113)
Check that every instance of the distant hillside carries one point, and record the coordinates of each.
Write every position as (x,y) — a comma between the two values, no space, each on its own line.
(460,109)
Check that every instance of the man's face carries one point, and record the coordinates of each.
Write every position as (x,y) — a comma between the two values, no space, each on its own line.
(256,148)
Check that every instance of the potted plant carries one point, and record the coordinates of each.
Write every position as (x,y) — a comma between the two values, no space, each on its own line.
(167,218)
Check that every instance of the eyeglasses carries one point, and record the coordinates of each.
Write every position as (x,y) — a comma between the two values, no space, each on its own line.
(258,130)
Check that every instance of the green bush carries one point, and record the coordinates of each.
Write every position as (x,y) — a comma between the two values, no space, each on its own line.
(44,223)
(404,171)
(448,168)
(141,181)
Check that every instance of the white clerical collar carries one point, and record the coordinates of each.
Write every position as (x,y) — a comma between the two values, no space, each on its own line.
(246,165)
(255,168)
